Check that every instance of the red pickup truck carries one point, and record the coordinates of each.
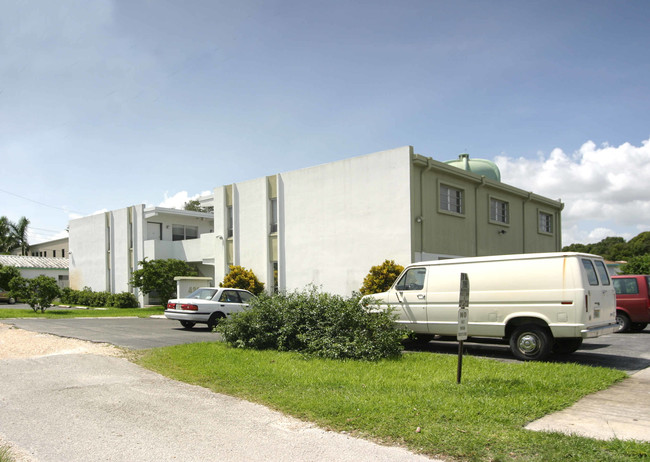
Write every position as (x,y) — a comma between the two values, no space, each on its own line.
(632,302)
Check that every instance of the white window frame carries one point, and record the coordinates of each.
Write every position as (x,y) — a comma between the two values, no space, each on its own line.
(545,222)
(185,234)
(499,215)
(451,200)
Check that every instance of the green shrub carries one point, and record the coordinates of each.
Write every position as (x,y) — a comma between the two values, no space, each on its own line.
(381,278)
(7,273)
(87,297)
(316,324)
(158,276)
(637,265)
(123,300)
(241,278)
(39,292)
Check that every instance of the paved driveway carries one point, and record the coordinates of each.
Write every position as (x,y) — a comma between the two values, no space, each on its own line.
(627,352)
(136,333)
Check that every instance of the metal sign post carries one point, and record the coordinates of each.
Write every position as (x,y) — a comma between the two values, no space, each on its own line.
(463,316)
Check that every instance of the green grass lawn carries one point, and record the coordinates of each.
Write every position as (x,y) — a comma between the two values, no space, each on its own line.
(60,312)
(480,419)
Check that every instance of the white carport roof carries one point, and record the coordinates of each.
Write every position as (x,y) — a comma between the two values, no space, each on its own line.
(20,261)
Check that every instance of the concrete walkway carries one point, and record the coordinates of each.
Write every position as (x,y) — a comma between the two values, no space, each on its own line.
(80,407)
(622,411)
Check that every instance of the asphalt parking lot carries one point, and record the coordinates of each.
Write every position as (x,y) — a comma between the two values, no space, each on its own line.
(628,352)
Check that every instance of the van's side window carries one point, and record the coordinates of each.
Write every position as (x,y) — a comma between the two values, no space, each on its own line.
(413,279)
(602,273)
(591,272)
(626,286)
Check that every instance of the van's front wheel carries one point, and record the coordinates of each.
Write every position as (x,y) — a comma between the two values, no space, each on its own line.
(531,343)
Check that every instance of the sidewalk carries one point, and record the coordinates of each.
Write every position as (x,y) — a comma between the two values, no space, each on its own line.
(80,407)
(622,411)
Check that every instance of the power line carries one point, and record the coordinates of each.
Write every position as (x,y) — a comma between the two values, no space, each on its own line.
(42,203)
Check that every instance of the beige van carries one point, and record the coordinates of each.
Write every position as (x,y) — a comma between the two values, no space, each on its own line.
(540,303)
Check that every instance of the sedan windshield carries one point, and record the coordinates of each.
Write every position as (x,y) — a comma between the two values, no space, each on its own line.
(203,294)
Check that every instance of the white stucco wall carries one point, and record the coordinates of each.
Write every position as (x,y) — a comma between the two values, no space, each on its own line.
(219,252)
(250,202)
(334,220)
(88,253)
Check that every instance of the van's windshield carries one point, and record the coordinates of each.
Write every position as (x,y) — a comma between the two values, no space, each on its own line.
(413,279)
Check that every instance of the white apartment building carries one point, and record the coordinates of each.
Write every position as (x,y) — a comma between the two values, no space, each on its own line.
(325,225)
(106,248)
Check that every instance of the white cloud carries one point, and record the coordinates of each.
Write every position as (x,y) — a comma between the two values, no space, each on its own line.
(605,189)
(178,200)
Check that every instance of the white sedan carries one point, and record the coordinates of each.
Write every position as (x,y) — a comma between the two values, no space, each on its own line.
(207,305)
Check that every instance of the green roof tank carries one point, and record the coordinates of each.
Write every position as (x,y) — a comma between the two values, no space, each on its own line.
(479,166)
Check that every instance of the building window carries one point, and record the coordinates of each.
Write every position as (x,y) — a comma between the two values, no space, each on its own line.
(45,253)
(451,199)
(184,232)
(54,253)
(62,253)
(545,223)
(229,222)
(499,211)
(274,215)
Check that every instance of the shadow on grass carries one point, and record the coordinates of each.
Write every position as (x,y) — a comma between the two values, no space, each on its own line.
(497,349)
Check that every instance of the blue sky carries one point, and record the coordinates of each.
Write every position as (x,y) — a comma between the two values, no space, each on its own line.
(105,104)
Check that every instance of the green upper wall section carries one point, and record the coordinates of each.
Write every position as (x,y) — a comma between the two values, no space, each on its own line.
(479,166)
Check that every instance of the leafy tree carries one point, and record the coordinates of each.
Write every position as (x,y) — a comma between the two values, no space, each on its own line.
(195,206)
(615,248)
(610,248)
(7,273)
(241,278)
(637,265)
(381,277)
(158,276)
(39,293)
(582,248)
(19,235)
(639,245)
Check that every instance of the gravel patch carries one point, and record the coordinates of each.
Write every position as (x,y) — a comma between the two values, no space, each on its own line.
(17,343)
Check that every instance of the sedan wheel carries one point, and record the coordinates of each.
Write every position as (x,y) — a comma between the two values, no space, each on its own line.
(215,319)
(187,324)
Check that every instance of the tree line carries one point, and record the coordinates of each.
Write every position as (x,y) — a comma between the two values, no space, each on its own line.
(636,252)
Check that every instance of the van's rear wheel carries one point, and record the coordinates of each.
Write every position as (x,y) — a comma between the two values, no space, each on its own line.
(531,342)
(623,322)
(565,346)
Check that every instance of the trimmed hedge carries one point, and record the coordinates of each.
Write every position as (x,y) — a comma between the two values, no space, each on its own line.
(86,297)
(315,324)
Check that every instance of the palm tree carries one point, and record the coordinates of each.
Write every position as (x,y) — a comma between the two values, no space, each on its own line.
(19,235)
(6,238)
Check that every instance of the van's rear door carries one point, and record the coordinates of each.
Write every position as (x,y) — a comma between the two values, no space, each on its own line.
(600,298)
